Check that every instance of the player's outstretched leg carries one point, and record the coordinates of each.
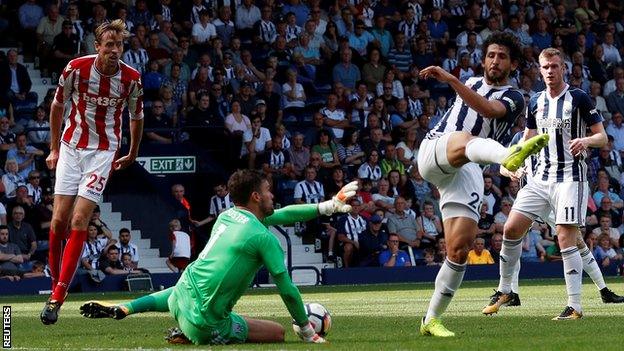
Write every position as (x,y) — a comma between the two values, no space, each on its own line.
(487,151)
(156,302)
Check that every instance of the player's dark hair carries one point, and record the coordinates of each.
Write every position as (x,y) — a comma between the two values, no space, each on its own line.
(504,39)
(242,183)
(124,230)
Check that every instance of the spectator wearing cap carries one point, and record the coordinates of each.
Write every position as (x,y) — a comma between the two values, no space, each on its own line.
(373,241)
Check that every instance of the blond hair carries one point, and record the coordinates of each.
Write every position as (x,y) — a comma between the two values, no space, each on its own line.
(117,26)
(550,52)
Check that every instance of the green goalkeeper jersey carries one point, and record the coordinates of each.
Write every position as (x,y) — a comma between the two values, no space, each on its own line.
(239,245)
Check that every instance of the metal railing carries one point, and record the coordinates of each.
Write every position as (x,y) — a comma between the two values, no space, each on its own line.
(289,264)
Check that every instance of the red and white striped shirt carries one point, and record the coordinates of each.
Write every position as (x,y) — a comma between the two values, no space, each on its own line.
(93,121)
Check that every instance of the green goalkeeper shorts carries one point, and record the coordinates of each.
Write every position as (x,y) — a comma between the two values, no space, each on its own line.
(201,330)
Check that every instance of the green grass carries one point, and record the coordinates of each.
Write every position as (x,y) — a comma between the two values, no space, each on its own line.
(373,317)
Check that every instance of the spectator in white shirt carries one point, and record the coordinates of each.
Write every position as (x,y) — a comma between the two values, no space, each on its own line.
(180,248)
(203,31)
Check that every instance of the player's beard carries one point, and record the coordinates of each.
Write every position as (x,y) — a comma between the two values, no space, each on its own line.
(497,77)
(267,208)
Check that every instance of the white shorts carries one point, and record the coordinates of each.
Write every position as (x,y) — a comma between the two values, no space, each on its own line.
(460,186)
(83,172)
(567,200)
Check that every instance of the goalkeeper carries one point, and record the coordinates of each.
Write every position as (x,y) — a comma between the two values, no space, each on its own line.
(240,243)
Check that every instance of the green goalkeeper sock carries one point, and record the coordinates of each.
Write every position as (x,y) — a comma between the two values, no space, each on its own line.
(156,302)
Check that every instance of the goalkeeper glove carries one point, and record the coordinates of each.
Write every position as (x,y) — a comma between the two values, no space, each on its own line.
(307,334)
(338,203)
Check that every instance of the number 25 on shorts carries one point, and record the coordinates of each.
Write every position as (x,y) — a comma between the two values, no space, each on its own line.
(96,182)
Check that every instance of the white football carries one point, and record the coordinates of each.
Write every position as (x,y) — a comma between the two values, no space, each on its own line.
(319,317)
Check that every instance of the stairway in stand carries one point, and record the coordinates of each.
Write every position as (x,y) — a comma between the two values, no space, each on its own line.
(149,257)
(302,255)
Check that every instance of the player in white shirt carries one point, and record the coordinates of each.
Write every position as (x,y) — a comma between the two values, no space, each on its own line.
(450,155)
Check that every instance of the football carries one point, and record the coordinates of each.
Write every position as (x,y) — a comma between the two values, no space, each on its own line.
(319,317)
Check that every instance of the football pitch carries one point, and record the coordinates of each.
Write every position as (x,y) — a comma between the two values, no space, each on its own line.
(371,317)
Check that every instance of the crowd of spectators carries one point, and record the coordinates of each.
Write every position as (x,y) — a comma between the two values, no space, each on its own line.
(315,93)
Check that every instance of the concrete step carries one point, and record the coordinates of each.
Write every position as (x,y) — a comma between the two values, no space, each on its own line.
(110,217)
(307,259)
(106,207)
(154,262)
(148,253)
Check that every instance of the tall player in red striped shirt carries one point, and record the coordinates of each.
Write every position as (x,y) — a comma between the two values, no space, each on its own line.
(95,89)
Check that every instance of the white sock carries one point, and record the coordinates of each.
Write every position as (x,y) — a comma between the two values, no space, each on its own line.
(515,278)
(447,282)
(509,258)
(590,266)
(573,272)
(485,151)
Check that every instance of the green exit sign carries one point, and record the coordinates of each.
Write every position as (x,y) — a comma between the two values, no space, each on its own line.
(168,165)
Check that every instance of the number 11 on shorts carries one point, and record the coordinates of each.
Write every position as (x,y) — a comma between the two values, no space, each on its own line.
(569,213)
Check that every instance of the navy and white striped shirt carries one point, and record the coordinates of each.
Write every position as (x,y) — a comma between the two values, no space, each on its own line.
(352,227)
(267,31)
(565,118)
(310,193)
(409,29)
(136,59)
(460,117)
(220,204)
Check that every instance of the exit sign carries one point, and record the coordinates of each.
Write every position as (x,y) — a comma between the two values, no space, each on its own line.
(168,164)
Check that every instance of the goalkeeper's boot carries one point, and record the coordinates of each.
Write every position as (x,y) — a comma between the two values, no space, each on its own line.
(49,315)
(98,309)
(175,336)
(434,328)
(519,152)
(568,314)
(514,299)
(609,296)
(497,300)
